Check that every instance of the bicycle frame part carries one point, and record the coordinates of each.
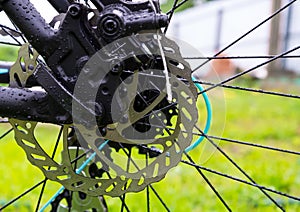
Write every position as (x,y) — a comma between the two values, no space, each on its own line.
(31,23)
(61,6)
(30,104)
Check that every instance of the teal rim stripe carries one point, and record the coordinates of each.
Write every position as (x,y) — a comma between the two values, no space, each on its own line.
(4,70)
(208,119)
(77,172)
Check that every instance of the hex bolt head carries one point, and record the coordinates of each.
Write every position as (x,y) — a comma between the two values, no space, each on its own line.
(74,10)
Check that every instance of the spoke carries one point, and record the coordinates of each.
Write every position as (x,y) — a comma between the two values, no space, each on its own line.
(84,154)
(120,197)
(21,195)
(249,32)
(254,145)
(230,140)
(236,88)
(239,168)
(127,152)
(248,144)
(41,195)
(261,91)
(247,71)
(10,35)
(150,100)
(209,183)
(238,142)
(127,169)
(160,199)
(124,203)
(12,31)
(228,176)
(177,6)
(152,188)
(229,87)
(171,13)
(147,189)
(155,114)
(241,181)
(17,31)
(192,163)
(234,141)
(75,168)
(239,57)
(81,156)
(148,199)
(168,131)
(6,133)
(45,180)
(77,153)
(8,43)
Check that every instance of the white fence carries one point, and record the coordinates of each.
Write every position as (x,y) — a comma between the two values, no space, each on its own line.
(212,26)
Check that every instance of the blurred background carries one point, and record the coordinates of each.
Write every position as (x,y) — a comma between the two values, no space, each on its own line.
(212,25)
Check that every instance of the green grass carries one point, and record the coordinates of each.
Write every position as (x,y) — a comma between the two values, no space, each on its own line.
(260,119)
(168,5)
(255,118)
(8,53)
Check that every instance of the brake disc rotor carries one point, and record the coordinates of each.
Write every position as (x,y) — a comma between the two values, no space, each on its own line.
(93,79)
(117,179)
(24,67)
(78,201)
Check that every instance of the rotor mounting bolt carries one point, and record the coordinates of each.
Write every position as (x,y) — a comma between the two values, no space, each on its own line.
(74,10)
(123,91)
(124,119)
(110,25)
(102,131)
(99,110)
(117,68)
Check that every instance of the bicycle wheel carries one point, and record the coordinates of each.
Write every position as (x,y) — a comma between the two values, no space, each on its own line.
(230,170)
